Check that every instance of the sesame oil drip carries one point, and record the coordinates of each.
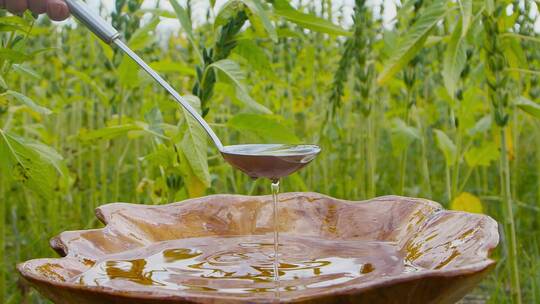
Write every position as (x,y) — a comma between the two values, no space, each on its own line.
(275,201)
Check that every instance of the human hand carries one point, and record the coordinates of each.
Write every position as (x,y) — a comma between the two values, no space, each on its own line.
(56,9)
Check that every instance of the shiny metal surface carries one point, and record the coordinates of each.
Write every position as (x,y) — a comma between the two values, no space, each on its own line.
(177,97)
(93,21)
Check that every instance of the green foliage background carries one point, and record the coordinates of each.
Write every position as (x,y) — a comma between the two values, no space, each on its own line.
(447,102)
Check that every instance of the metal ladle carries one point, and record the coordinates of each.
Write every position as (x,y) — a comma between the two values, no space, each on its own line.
(269,161)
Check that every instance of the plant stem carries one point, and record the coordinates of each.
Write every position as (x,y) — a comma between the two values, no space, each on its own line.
(455,174)
(403,159)
(509,218)
(402,169)
(3,201)
(465,180)
(448,183)
(538,165)
(362,162)
(425,179)
(516,149)
(118,171)
(372,158)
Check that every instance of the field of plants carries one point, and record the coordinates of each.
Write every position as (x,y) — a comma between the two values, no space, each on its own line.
(443,103)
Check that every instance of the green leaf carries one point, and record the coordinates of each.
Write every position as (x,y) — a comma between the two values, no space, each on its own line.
(482,156)
(243,95)
(259,13)
(454,60)
(169,66)
(481,126)
(193,185)
(84,78)
(447,146)
(433,40)
(28,102)
(515,56)
(142,36)
(162,155)
(283,9)
(232,71)
(227,12)
(109,132)
(402,135)
(194,102)
(9,28)
(132,130)
(42,51)
(185,22)
(13,56)
(3,83)
(289,33)
(107,50)
(11,23)
(466,7)
(156,11)
(254,55)
(528,106)
(183,17)
(49,154)
(128,72)
(154,118)
(194,144)
(24,164)
(412,41)
(267,127)
(258,16)
(26,71)
(490,6)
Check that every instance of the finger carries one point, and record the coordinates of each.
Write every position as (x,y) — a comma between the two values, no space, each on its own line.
(37,6)
(16,6)
(57,10)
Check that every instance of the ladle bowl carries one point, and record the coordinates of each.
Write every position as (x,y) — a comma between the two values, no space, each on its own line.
(444,253)
(269,161)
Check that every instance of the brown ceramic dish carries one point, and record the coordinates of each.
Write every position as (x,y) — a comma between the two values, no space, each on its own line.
(448,251)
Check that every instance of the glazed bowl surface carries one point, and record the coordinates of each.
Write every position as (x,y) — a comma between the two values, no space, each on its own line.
(442,254)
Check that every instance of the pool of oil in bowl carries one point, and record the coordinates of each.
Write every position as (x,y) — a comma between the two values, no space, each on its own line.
(244,265)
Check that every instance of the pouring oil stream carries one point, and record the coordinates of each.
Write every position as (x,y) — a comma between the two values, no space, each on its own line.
(275,201)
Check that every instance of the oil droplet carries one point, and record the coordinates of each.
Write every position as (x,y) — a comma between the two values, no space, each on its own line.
(367,268)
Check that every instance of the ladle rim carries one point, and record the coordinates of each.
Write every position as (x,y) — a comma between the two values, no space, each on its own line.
(316,151)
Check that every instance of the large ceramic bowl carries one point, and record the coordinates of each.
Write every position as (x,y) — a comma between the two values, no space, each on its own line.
(444,253)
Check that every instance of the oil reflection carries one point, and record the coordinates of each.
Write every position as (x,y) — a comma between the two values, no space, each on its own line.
(237,265)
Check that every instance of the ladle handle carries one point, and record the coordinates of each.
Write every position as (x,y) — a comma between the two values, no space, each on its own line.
(109,34)
(93,21)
